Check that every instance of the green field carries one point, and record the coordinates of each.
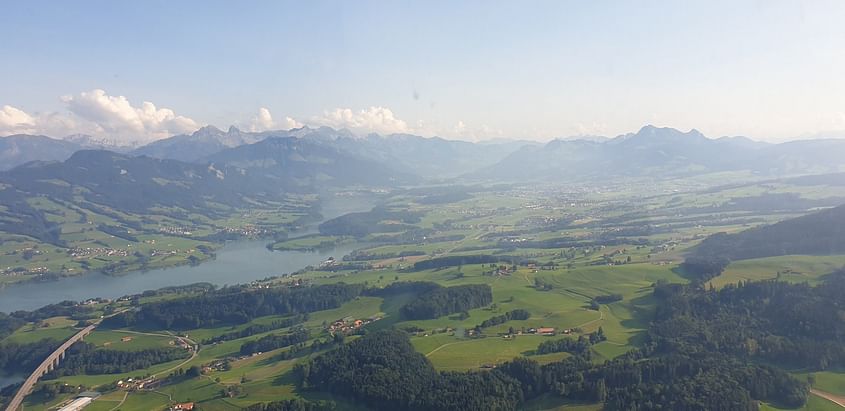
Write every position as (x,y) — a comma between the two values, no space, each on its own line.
(670,219)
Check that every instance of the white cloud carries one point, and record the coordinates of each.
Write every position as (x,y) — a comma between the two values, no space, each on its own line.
(371,120)
(264,121)
(14,120)
(116,116)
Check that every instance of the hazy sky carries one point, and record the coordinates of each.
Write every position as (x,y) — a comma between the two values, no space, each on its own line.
(767,69)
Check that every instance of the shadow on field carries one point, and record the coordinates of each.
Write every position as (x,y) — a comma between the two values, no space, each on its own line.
(642,312)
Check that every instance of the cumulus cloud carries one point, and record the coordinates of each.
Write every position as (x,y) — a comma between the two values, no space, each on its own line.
(118,117)
(264,121)
(371,120)
(99,114)
(14,120)
(382,120)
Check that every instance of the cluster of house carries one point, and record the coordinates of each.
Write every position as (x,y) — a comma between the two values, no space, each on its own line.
(248,230)
(89,252)
(174,230)
(216,365)
(93,301)
(328,263)
(10,271)
(155,252)
(545,331)
(124,339)
(347,325)
(182,406)
(182,343)
(137,384)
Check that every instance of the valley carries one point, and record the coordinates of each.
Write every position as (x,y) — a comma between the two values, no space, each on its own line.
(552,251)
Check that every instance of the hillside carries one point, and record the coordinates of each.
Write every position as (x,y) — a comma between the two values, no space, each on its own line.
(820,233)
(20,148)
(136,184)
(301,162)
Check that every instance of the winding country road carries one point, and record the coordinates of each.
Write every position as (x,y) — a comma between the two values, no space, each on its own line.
(46,366)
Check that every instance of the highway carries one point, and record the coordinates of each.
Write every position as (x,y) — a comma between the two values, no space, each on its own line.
(51,362)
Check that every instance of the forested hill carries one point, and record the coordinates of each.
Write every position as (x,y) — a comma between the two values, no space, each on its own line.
(136,184)
(819,233)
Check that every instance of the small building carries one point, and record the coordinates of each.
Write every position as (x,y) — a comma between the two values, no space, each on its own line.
(546,331)
(185,406)
(77,404)
(125,339)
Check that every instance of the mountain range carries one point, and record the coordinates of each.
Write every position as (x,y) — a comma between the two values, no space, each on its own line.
(664,152)
(304,156)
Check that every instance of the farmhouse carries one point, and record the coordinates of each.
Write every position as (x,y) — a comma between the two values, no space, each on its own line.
(546,331)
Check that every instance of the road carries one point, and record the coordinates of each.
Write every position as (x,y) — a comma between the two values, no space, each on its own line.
(836,399)
(46,366)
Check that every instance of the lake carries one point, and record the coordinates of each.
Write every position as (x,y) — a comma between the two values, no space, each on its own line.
(237,262)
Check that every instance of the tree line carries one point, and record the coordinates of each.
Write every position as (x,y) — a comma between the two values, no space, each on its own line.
(447,300)
(383,371)
(274,341)
(85,358)
(258,329)
(517,314)
(237,306)
(580,346)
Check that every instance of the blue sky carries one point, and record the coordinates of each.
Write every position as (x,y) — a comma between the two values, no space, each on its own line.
(770,70)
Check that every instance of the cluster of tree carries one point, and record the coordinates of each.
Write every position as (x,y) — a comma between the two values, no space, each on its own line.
(456,260)
(608,298)
(369,222)
(85,358)
(9,324)
(24,358)
(345,266)
(50,391)
(704,268)
(367,255)
(819,233)
(580,346)
(235,306)
(447,300)
(274,341)
(384,372)
(518,314)
(258,329)
(201,287)
(670,382)
(778,322)
(293,405)
(63,309)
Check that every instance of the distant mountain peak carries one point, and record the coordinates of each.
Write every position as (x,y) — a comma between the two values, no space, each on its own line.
(207,130)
